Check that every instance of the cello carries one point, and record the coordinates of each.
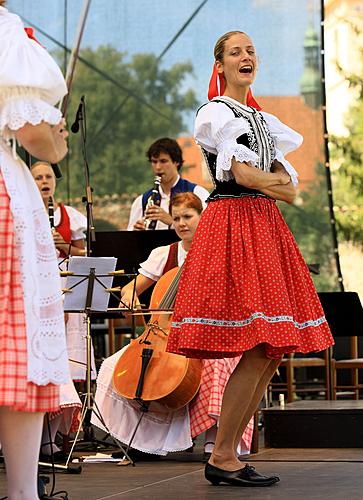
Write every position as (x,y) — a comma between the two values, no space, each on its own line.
(145,371)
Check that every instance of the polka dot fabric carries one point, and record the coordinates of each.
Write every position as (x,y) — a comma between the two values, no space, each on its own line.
(246,283)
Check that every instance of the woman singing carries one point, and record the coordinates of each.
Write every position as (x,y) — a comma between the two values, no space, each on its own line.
(33,353)
(245,288)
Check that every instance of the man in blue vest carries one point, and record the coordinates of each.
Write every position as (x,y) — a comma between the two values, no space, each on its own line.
(166,160)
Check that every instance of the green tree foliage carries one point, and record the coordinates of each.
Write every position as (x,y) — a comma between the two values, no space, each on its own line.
(309,222)
(121,124)
(347,158)
(347,152)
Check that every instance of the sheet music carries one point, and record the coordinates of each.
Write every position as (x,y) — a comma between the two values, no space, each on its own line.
(75,300)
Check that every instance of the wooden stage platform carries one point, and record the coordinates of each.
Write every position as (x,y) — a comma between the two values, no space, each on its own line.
(306,474)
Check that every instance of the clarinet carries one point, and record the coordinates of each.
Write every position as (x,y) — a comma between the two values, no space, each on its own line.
(154,199)
(51,213)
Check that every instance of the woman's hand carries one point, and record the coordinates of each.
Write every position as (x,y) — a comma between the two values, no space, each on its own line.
(60,244)
(60,135)
(126,299)
(278,168)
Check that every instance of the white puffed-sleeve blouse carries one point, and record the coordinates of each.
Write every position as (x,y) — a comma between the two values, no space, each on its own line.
(217,128)
(30,81)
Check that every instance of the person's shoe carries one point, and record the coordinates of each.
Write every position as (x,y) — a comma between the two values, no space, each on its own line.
(241,477)
(206,457)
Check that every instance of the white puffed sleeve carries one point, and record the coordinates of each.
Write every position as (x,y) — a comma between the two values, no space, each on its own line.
(285,140)
(216,130)
(78,223)
(30,81)
(153,267)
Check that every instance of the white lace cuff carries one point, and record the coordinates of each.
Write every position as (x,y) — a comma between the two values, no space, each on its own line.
(288,167)
(15,113)
(226,151)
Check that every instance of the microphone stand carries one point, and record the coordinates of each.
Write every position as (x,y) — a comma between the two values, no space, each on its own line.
(81,123)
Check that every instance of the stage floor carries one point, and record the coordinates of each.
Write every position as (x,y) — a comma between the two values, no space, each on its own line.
(333,474)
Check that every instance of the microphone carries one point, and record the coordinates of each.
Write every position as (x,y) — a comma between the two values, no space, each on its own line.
(79,117)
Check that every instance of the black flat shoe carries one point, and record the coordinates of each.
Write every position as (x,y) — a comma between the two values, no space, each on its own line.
(206,457)
(241,477)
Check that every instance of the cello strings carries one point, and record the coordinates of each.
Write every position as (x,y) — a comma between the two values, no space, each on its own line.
(169,298)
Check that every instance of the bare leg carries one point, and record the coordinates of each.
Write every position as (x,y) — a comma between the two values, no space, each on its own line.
(20,434)
(260,390)
(239,393)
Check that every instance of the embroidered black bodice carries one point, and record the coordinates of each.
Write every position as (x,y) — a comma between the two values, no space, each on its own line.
(258,139)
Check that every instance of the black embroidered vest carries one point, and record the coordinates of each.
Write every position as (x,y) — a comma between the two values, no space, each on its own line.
(258,139)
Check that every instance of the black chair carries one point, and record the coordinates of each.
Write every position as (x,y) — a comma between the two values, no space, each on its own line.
(344,313)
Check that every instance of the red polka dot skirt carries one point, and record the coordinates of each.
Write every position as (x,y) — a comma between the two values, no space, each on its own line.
(246,283)
(15,390)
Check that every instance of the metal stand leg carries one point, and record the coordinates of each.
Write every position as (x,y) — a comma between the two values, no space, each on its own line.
(89,402)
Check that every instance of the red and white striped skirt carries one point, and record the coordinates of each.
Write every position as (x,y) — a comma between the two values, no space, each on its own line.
(15,390)
(246,283)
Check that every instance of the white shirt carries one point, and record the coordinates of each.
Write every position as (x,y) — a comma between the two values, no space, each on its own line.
(154,265)
(136,208)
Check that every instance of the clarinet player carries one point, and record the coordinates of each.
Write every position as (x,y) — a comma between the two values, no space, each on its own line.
(166,161)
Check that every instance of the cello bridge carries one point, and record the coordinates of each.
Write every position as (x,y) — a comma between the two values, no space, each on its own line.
(155,326)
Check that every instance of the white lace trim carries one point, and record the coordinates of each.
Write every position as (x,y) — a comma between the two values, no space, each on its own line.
(288,167)
(244,322)
(18,111)
(228,150)
(46,342)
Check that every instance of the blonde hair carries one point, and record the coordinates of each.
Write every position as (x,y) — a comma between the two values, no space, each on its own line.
(219,46)
(40,162)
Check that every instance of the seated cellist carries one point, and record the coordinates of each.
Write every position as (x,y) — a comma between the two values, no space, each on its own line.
(162,431)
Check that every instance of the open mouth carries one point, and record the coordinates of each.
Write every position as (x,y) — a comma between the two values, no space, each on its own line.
(45,190)
(246,69)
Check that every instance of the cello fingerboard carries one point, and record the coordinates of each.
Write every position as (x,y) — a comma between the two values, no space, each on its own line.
(169,298)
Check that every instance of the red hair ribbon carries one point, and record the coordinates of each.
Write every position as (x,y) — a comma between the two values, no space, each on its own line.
(30,33)
(217,87)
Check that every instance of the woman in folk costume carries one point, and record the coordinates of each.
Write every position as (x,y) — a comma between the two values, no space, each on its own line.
(69,226)
(245,288)
(33,352)
(68,234)
(161,430)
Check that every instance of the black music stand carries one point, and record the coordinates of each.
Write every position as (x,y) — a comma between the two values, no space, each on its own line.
(131,248)
(86,303)
(344,314)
